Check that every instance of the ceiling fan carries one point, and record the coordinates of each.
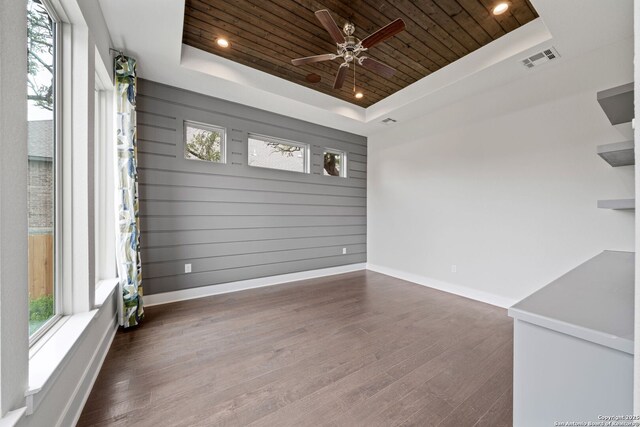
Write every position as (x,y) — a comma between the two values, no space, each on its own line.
(350,47)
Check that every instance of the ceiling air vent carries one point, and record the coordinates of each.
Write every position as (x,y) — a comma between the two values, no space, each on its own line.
(389,121)
(541,57)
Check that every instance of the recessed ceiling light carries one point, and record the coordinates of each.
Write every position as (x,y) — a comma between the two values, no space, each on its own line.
(359,95)
(500,8)
(222,42)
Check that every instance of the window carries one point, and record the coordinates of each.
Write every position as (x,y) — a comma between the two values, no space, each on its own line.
(42,166)
(204,142)
(274,153)
(335,162)
(104,182)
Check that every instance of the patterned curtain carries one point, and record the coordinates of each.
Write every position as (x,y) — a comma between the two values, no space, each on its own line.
(128,247)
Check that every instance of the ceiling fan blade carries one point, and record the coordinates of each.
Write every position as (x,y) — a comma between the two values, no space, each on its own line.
(384,33)
(341,76)
(378,67)
(316,58)
(330,25)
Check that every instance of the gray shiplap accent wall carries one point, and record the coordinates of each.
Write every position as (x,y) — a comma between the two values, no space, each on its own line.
(233,221)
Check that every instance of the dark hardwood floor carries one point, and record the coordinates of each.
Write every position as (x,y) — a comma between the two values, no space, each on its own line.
(358,349)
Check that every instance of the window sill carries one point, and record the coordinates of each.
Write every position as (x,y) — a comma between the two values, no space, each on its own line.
(48,360)
(12,418)
(103,290)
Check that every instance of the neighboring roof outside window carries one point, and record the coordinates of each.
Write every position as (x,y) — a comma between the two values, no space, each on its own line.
(40,140)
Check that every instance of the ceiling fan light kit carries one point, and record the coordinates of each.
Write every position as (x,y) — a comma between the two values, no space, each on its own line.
(350,48)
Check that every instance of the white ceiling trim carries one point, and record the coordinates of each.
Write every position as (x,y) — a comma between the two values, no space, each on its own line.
(509,47)
(230,71)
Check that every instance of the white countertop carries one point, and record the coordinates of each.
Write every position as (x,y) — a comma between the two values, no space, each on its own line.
(594,301)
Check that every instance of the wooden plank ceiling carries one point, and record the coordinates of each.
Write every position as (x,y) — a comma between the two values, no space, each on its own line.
(267,35)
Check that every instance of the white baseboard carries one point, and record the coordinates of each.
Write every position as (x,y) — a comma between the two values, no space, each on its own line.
(205,291)
(463,291)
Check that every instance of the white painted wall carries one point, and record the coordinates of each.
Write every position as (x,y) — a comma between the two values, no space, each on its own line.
(503,184)
(92,14)
(14,345)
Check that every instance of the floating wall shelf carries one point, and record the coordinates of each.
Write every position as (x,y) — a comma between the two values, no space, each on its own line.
(617,204)
(618,153)
(617,103)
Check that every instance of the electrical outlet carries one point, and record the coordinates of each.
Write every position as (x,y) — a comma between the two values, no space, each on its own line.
(187,268)
(344,251)
(454,268)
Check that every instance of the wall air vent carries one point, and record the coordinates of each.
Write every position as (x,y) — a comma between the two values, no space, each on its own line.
(541,57)
(389,121)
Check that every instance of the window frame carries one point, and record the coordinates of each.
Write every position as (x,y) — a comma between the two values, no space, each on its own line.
(210,128)
(306,158)
(57,177)
(105,168)
(343,165)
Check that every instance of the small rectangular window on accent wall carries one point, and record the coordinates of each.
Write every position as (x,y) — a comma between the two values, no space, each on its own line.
(204,142)
(335,163)
(275,153)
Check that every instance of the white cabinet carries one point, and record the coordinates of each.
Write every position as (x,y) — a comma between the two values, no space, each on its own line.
(573,345)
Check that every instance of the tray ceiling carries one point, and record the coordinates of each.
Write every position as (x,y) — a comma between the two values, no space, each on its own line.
(266,35)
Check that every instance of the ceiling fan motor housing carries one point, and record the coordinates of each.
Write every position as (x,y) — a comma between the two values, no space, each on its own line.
(351,48)
(351,43)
